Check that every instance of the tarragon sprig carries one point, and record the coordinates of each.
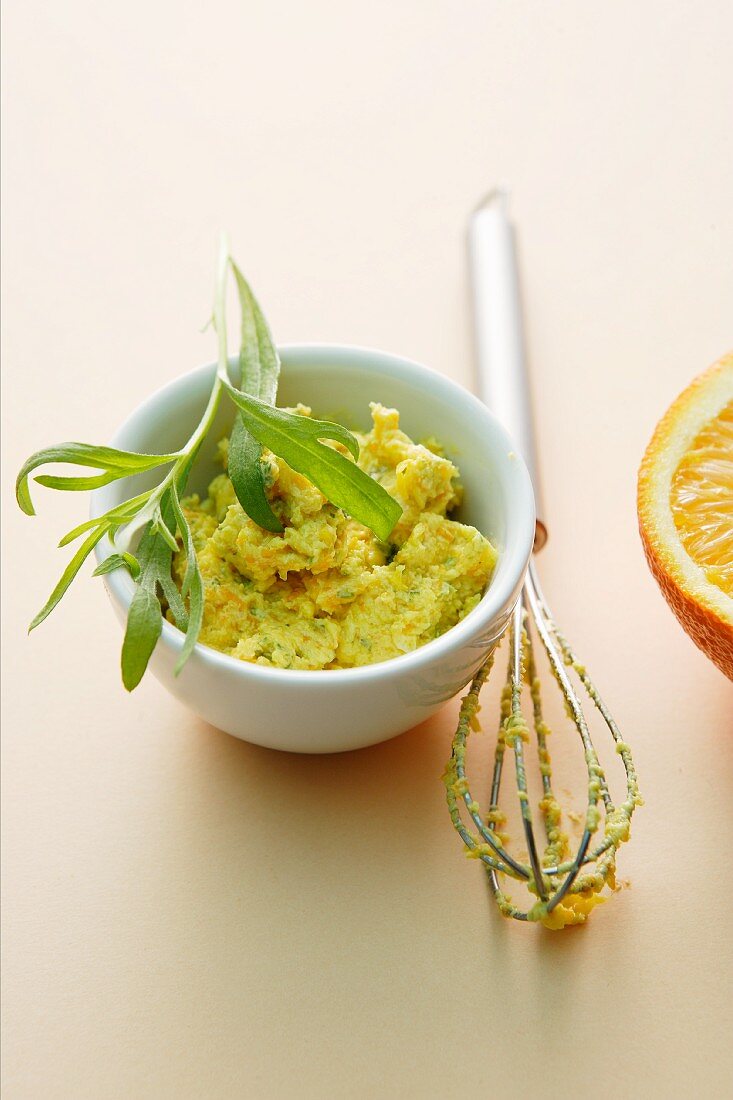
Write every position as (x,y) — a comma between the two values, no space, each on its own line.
(158,512)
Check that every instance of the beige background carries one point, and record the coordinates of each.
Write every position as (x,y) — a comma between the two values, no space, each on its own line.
(189,916)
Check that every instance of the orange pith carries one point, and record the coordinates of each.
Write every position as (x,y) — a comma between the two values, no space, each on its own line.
(686,510)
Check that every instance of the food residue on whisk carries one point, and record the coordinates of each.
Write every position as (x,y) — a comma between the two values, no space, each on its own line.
(571,886)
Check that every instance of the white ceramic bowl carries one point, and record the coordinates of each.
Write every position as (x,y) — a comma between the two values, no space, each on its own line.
(346,708)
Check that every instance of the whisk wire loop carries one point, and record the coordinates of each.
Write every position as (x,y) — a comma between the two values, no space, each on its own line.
(555,877)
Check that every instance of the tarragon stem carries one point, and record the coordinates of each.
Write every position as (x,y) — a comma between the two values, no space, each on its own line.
(158,512)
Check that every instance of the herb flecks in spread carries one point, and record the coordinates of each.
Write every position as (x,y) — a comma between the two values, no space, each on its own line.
(324,591)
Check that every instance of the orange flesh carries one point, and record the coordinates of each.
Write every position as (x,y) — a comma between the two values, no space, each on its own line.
(701,498)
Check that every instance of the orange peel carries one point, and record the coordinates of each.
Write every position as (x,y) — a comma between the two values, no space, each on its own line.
(685,504)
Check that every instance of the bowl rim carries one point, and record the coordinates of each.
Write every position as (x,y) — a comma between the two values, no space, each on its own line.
(496,600)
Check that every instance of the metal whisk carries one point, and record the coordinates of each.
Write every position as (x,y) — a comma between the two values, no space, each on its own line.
(564,894)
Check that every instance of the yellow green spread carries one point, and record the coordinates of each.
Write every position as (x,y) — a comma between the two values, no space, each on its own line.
(326,593)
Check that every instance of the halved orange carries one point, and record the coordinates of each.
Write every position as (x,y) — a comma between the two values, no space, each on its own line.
(685,506)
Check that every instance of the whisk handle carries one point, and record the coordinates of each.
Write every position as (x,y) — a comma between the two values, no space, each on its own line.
(501,368)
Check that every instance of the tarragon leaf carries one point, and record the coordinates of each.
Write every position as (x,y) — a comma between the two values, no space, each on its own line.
(119,561)
(68,575)
(119,463)
(244,467)
(160,527)
(155,554)
(78,484)
(174,601)
(158,543)
(116,517)
(296,439)
(192,587)
(144,624)
(259,370)
(258,358)
(145,616)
